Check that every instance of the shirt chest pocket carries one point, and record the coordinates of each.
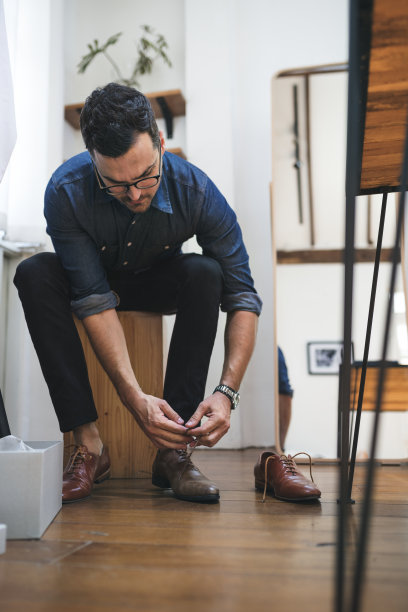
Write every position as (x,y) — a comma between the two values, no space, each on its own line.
(156,252)
(109,254)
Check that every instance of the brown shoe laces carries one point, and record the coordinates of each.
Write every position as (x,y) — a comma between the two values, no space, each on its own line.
(76,459)
(186,454)
(290,466)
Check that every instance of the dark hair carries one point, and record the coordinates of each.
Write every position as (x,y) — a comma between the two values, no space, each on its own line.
(112,118)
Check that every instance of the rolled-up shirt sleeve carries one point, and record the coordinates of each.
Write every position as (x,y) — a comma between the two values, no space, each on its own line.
(78,253)
(220,237)
(94,304)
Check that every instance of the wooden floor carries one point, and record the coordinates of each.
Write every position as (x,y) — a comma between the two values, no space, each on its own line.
(134,547)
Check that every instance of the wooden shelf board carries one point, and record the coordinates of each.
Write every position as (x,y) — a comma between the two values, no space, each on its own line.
(174,100)
(72,112)
(311,70)
(329,256)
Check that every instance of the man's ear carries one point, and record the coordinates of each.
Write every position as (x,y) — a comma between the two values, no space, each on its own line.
(162,141)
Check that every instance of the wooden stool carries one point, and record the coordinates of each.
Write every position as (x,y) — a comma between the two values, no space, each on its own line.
(131,452)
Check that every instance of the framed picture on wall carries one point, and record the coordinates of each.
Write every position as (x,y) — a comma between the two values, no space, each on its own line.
(325,357)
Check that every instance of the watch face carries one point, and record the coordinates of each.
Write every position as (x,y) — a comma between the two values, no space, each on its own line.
(235,400)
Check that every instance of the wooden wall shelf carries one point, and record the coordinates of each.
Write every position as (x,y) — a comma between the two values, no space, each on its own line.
(165,105)
(328,256)
(174,100)
(71,114)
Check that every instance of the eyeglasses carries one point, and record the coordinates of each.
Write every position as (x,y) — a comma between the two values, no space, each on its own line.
(117,190)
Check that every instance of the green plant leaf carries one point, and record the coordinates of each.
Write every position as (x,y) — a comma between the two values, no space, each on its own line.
(112,40)
(95,50)
(150,47)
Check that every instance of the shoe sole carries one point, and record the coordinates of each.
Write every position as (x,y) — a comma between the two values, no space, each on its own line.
(206,499)
(73,501)
(162,483)
(260,487)
(102,477)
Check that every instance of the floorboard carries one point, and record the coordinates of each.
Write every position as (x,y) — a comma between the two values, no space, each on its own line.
(132,546)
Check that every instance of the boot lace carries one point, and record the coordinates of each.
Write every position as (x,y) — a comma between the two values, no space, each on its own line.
(186,455)
(290,465)
(76,460)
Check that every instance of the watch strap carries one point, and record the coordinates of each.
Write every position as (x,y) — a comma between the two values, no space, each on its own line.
(229,392)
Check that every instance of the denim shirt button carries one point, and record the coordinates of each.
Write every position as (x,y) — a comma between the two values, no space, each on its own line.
(103,248)
(167,247)
(129,244)
(125,263)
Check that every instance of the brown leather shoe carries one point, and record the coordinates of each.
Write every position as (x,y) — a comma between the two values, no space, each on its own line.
(82,470)
(174,469)
(278,474)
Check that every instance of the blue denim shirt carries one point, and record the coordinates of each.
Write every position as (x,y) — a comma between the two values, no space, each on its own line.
(92,232)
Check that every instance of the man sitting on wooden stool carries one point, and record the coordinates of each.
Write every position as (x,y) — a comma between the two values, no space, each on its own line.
(118,215)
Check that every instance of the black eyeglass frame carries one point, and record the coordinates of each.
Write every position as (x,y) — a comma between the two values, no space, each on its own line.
(127,186)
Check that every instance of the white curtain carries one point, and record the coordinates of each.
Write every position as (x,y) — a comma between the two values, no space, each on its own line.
(35,36)
(7,116)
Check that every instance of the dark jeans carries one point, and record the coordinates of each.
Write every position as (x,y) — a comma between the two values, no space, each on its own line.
(285,387)
(189,285)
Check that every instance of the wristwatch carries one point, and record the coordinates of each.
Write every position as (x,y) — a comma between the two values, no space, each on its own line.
(230,393)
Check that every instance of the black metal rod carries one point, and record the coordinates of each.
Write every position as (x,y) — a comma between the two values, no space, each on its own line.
(167,115)
(369,239)
(355,131)
(367,344)
(309,161)
(345,400)
(359,570)
(4,426)
(339,413)
(353,404)
(297,165)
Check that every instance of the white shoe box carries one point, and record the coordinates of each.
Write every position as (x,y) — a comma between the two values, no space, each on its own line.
(30,488)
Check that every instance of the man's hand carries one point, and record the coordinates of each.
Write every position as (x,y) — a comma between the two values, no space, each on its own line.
(159,421)
(217,409)
(240,333)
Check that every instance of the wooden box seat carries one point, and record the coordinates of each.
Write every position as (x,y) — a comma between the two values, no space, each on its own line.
(131,452)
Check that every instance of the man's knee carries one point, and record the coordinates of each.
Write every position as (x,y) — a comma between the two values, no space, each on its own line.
(36,269)
(205,270)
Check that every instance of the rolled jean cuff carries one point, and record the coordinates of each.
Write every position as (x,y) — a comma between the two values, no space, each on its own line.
(94,304)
